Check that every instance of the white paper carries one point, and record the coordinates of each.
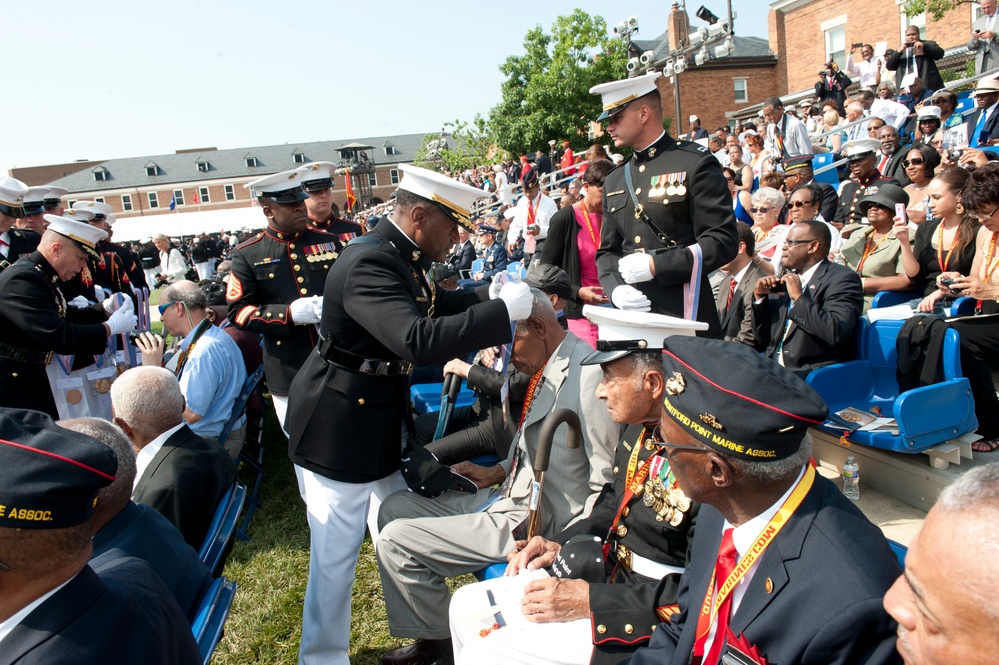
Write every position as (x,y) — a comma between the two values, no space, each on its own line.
(894,313)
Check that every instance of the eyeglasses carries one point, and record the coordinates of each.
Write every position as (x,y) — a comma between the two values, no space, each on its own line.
(756,210)
(980,217)
(799,204)
(657,440)
(914,162)
(167,305)
(792,243)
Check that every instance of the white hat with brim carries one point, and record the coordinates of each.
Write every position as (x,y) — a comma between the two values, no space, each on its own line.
(284,188)
(860,148)
(986,87)
(317,176)
(618,94)
(84,235)
(55,195)
(75,215)
(622,332)
(101,211)
(928,113)
(454,198)
(12,193)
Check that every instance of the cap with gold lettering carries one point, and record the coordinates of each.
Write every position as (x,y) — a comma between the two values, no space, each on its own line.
(735,401)
(49,476)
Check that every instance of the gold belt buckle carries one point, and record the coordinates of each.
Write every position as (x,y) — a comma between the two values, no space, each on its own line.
(638,211)
(639,250)
(623,556)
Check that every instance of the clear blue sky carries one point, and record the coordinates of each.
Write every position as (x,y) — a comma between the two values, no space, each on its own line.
(100,80)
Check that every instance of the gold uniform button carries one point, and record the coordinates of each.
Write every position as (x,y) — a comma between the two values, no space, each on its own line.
(615,469)
(641,169)
(625,511)
(298,268)
(601,629)
(325,267)
(360,401)
(14,374)
(294,256)
(769,585)
(278,342)
(653,629)
(303,291)
(291,245)
(258,313)
(270,275)
(638,190)
(622,530)
(628,628)
(638,239)
(301,279)
(269,315)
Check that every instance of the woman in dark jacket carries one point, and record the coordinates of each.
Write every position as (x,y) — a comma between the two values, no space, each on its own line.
(573,239)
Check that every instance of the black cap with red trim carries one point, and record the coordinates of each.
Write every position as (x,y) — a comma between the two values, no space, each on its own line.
(736,401)
(49,476)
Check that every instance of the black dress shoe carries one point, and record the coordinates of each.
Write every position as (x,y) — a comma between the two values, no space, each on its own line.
(420,652)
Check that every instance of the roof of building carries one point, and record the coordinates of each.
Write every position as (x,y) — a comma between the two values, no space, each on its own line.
(232,163)
(745,47)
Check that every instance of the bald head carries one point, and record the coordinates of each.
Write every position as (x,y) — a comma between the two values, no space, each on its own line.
(186,292)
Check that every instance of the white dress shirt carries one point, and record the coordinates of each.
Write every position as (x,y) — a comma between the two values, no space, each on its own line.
(545,209)
(146,455)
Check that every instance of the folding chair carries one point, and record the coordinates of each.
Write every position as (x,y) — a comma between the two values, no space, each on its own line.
(211,616)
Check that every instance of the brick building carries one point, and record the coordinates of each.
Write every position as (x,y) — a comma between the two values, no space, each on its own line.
(804,33)
(744,77)
(207,179)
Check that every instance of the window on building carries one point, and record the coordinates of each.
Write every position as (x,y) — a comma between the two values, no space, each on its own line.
(152,169)
(126,202)
(178,197)
(373,179)
(203,165)
(919,20)
(394,176)
(252,161)
(834,31)
(389,149)
(299,157)
(101,174)
(741,91)
(203,191)
(98,199)
(230,193)
(154,201)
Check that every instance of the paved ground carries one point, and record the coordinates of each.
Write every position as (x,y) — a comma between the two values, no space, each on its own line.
(899,521)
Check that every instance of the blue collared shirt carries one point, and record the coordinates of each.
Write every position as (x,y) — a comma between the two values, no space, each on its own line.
(212,380)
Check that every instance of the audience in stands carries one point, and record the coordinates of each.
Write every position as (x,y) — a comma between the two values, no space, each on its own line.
(178,473)
(917,57)
(742,200)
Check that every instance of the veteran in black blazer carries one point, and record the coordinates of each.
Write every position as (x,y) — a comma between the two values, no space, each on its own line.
(812,323)
(812,570)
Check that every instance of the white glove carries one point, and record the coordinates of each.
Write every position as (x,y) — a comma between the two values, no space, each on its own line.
(495,286)
(303,311)
(122,321)
(317,306)
(102,293)
(518,300)
(111,305)
(79,302)
(635,268)
(628,297)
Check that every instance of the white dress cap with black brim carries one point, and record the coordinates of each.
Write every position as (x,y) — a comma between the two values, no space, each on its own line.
(860,148)
(454,198)
(55,195)
(621,332)
(100,210)
(34,200)
(12,193)
(317,176)
(618,94)
(82,234)
(284,187)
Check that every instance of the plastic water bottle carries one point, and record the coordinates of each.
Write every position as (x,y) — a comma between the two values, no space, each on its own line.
(851,479)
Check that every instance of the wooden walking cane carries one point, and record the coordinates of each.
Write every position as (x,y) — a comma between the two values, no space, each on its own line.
(552,423)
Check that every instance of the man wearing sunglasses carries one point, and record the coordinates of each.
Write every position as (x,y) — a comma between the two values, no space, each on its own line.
(805,318)
(783,568)
(865,179)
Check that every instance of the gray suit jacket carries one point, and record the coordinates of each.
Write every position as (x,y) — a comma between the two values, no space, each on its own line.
(737,320)
(981,48)
(575,477)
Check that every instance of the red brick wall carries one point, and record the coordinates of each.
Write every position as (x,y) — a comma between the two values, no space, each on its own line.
(798,41)
(709,91)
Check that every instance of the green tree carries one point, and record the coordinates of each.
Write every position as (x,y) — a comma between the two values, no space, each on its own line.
(546,94)
(935,8)
(465,145)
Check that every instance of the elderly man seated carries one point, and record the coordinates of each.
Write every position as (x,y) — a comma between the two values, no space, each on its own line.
(54,607)
(596,608)
(123,528)
(179,474)
(208,363)
(805,318)
(422,541)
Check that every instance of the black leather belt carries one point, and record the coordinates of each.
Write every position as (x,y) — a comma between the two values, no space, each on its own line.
(359,364)
(25,356)
(652,252)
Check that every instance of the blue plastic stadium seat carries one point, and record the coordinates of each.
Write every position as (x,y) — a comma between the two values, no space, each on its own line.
(516,268)
(222,528)
(964,306)
(213,611)
(476,267)
(965,103)
(900,551)
(426,397)
(490,572)
(830,176)
(926,416)
(892,298)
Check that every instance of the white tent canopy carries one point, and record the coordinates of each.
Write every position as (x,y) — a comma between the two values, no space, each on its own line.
(178,224)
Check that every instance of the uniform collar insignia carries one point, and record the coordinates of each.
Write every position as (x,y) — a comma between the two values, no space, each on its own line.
(416,255)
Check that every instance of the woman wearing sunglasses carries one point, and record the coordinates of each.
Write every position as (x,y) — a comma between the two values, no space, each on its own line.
(767,205)
(920,164)
(944,243)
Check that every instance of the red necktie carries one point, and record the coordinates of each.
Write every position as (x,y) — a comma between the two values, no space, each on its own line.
(727,558)
(731,292)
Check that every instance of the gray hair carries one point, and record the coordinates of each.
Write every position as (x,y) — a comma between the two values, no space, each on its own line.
(186,292)
(974,490)
(768,196)
(118,493)
(541,308)
(774,470)
(148,399)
